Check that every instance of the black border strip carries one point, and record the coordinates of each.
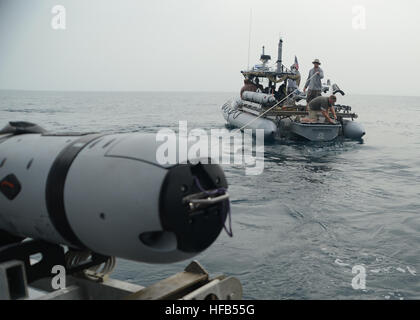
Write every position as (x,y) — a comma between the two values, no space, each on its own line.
(55,188)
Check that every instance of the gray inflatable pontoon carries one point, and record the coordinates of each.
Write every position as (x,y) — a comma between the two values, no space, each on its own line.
(285,124)
(238,119)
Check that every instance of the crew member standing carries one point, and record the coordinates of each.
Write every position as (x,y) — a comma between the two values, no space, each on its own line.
(313,84)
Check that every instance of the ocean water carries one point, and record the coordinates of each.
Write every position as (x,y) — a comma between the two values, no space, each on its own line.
(301,226)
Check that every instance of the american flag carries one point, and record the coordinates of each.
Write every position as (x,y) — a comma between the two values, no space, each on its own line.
(296,63)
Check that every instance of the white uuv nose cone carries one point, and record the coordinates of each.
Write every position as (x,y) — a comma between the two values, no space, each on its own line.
(108,194)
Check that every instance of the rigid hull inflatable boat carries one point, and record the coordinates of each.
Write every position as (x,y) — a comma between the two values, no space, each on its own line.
(285,123)
(279,115)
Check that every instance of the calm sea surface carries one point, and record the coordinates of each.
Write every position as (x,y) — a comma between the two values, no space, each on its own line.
(317,210)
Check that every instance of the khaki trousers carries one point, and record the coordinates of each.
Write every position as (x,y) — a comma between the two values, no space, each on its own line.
(316,115)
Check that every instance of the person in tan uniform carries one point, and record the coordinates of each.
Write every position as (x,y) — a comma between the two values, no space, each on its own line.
(321,106)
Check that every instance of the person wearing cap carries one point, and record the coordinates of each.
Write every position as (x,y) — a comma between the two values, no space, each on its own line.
(313,84)
(321,106)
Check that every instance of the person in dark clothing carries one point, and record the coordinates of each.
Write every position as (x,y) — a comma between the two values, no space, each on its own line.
(280,94)
(259,86)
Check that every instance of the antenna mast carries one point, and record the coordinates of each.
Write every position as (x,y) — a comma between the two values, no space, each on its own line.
(250,31)
(280,57)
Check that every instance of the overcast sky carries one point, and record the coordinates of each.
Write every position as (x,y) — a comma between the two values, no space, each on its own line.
(201,45)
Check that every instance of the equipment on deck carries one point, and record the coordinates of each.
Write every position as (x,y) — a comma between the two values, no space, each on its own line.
(279,116)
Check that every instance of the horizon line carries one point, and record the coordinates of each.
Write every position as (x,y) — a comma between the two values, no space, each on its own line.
(183,91)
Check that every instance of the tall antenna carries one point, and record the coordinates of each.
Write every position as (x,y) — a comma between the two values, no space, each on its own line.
(280,57)
(250,31)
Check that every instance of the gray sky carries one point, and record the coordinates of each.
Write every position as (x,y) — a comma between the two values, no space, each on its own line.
(201,45)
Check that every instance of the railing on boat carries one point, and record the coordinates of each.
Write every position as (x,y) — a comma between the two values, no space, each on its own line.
(288,112)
